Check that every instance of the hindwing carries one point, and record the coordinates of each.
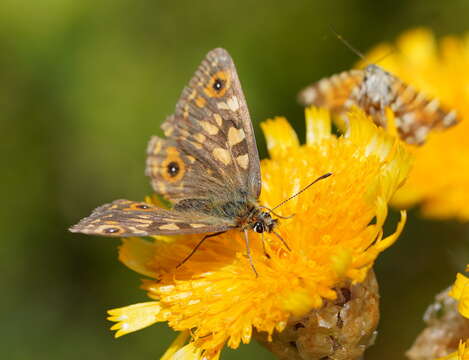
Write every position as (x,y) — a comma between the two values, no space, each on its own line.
(131,218)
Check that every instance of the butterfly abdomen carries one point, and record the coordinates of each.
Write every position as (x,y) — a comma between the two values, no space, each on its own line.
(231,209)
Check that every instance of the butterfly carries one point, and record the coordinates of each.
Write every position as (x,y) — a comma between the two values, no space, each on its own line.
(374,89)
(208,167)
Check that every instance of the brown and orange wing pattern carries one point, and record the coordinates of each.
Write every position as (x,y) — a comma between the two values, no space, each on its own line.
(374,89)
(416,114)
(124,218)
(332,92)
(210,136)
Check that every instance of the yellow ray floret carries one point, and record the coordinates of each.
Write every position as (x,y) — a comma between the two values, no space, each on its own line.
(460,291)
(134,317)
(335,236)
(280,137)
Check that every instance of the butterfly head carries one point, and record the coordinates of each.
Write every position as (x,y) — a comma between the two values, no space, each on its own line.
(374,70)
(263,222)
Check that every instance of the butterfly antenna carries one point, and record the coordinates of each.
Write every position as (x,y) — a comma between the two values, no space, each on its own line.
(346,43)
(302,190)
(275,214)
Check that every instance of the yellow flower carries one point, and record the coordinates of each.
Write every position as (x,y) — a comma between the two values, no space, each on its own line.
(460,291)
(439,180)
(335,236)
(461,354)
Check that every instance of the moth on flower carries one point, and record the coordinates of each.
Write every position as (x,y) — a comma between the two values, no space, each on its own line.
(374,89)
(208,166)
(439,180)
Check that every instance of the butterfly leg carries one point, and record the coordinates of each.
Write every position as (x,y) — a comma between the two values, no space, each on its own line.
(263,247)
(248,251)
(198,245)
(282,240)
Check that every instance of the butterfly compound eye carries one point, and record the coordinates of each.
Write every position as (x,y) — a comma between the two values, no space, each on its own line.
(259,227)
(173,168)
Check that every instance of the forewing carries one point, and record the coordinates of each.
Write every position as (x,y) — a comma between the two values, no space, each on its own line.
(124,218)
(212,132)
(417,115)
(332,92)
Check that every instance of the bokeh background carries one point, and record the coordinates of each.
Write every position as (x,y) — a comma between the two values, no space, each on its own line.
(84,84)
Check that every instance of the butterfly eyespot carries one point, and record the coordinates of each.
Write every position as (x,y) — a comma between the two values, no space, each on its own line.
(173,168)
(137,206)
(112,230)
(218,84)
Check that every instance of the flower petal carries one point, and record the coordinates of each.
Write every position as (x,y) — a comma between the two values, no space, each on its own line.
(280,136)
(361,130)
(460,291)
(136,254)
(176,345)
(318,125)
(134,317)
(301,302)
(192,352)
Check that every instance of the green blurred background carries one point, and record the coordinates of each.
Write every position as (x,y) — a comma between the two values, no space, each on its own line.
(83,86)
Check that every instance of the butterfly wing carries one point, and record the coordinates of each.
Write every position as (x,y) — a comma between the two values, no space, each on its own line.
(210,139)
(332,92)
(208,164)
(373,89)
(130,218)
(416,114)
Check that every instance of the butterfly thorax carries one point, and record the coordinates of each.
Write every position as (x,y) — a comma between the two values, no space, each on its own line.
(243,213)
(376,89)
